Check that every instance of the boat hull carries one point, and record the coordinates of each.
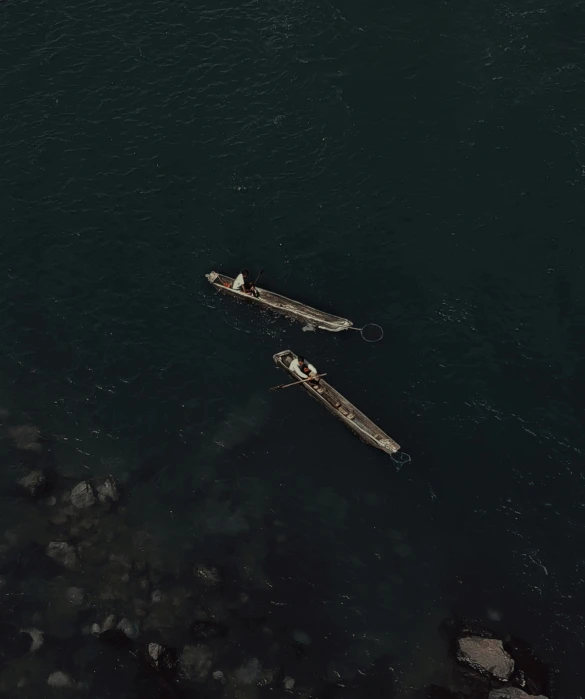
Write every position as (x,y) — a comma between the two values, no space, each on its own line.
(343,410)
(281,305)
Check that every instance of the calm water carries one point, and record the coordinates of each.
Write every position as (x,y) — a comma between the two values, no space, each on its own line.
(420,166)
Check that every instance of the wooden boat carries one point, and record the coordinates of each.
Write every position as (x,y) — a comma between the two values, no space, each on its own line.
(282,305)
(341,408)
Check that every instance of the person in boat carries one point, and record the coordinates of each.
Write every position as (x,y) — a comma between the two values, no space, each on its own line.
(240,280)
(241,283)
(303,369)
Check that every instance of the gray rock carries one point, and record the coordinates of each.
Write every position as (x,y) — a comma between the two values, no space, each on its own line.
(60,680)
(51,501)
(513,693)
(208,575)
(289,683)
(34,483)
(155,653)
(37,638)
(75,595)
(301,637)
(63,553)
(26,437)
(249,673)
(195,663)
(218,676)
(59,518)
(109,623)
(95,629)
(108,491)
(160,657)
(156,596)
(82,495)
(129,628)
(485,655)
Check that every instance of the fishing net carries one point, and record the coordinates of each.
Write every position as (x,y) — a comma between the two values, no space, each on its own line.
(371,332)
(400,459)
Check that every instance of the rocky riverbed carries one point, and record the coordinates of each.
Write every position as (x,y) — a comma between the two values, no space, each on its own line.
(91,605)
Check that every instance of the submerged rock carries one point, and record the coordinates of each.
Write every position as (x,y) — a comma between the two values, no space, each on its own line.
(63,553)
(195,662)
(301,637)
(26,437)
(249,673)
(288,683)
(485,655)
(108,491)
(37,638)
(160,657)
(61,680)
(109,623)
(207,574)
(75,595)
(155,653)
(82,495)
(129,628)
(513,693)
(34,483)
(218,676)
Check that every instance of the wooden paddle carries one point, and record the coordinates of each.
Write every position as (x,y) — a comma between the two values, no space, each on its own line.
(296,383)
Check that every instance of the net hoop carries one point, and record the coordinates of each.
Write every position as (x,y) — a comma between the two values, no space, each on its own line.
(400,459)
(378,330)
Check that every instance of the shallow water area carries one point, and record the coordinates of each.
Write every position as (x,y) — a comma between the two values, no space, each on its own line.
(414,167)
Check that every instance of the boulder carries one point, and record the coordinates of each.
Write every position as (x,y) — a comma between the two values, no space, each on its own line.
(218,676)
(207,574)
(34,483)
(288,683)
(64,553)
(160,657)
(302,638)
(75,595)
(249,673)
(195,662)
(37,638)
(513,693)
(109,623)
(82,495)
(485,655)
(129,629)
(26,437)
(61,680)
(108,491)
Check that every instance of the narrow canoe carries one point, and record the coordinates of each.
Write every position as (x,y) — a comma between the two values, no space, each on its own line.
(282,305)
(341,408)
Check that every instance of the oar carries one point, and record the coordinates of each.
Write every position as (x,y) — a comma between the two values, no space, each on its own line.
(296,383)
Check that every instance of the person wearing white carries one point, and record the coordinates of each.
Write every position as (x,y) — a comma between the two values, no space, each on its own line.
(240,280)
(302,369)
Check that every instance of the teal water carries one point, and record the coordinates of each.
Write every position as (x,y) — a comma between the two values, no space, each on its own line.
(420,167)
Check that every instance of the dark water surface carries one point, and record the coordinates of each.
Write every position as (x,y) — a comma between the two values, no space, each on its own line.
(421,166)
